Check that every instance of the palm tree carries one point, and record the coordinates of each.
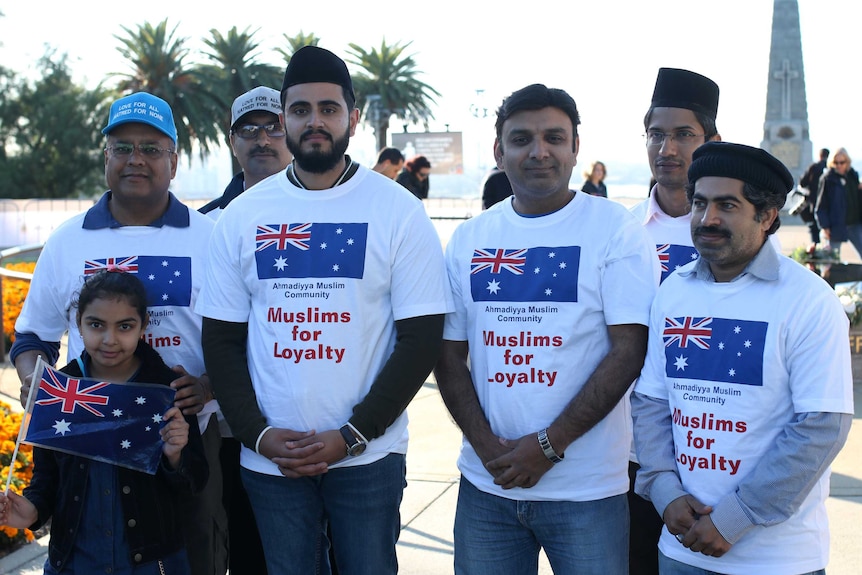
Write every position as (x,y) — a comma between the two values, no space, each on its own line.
(296,42)
(157,60)
(235,70)
(388,85)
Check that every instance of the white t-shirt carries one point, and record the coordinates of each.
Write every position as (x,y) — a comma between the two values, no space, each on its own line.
(321,276)
(534,297)
(736,361)
(670,236)
(168,260)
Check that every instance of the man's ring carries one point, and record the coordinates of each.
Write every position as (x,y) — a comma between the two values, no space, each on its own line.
(680,537)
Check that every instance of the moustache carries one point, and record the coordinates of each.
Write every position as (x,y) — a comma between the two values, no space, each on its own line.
(308,133)
(712,230)
(261,151)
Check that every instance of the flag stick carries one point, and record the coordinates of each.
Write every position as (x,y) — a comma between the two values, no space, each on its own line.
(34,384)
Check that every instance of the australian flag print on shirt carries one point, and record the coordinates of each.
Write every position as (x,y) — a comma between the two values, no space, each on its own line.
(310,250)
(167,279)
(672,257)
(529,275)
(714,349)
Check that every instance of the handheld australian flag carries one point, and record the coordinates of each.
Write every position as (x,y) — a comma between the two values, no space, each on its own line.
(167,279)
(116,423)
(714,349)
(536,274)
(310,250)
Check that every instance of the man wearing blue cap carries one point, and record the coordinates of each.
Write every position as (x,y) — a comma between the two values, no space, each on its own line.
(139,226)
(746,394)
(323,315)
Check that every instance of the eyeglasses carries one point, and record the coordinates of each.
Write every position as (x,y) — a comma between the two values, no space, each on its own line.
(683,138)
(251,131)
(840,163)
(149,151)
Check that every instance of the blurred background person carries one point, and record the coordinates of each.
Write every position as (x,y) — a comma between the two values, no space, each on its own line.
(810,181)
(414,176)
(495,187)
(594,180)
(839,208)
(389,162)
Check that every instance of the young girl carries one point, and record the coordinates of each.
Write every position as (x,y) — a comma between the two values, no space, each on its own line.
(109,519)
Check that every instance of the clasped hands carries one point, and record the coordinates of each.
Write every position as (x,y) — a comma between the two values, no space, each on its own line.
(688,519)
(302,453)
(514,462)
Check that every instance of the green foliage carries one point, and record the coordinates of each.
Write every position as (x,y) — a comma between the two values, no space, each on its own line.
(296,42)
(390,74)
(50,128)
(811,254)
(234,70)
(157,59)
(50,136)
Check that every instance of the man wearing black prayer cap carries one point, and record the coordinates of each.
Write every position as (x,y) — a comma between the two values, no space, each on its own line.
(746,394)
(681,117)
(323,316)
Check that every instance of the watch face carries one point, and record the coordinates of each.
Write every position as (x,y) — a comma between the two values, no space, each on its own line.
(357,449)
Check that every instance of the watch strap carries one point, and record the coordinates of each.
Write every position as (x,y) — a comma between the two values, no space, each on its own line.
(350,439)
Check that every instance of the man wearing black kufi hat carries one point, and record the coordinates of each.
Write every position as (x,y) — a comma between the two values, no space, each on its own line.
(746,393)
(323,315)
(680,118)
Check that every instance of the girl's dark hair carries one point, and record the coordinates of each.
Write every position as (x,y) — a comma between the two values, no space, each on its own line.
(113,284)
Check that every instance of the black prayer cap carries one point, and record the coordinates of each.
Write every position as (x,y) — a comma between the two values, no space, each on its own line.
(675,88)
(753,165)
(314,64)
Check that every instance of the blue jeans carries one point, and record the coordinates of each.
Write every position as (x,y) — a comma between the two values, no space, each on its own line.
(854,236)
(360,504)
(668,566)
(498,536)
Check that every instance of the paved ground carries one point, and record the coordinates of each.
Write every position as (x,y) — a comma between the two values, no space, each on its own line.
(428,509)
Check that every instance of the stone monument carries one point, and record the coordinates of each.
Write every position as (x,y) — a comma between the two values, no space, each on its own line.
(785,130)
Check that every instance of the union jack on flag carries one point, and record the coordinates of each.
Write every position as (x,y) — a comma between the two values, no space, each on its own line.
(117,423)
(690,329)
(663,252)
(282,235)
(498,260)
(69,393)
(128,265)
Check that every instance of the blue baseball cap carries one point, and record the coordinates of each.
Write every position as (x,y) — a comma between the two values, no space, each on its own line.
(142,108)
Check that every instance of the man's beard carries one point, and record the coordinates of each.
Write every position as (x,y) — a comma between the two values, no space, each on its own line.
(318,161)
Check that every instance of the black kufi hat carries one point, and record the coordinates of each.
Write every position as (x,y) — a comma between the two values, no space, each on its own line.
(753,165)
(675,88)
(314,64)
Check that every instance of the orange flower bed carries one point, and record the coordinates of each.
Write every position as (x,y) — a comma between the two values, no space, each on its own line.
(22,471)
(14,292)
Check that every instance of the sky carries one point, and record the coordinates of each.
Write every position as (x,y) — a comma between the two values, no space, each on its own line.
(605,53)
